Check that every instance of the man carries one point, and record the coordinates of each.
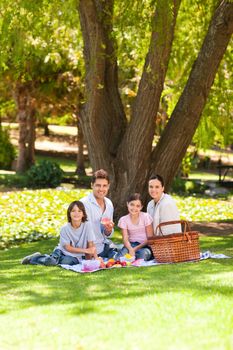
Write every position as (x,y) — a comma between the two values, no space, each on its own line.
(100,213)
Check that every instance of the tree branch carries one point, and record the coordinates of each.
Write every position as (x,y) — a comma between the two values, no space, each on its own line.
(140,132)
(184,120)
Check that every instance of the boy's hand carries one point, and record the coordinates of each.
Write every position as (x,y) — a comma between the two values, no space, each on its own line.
(91,251)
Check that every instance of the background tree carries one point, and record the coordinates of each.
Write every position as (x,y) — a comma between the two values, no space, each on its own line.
(39,44)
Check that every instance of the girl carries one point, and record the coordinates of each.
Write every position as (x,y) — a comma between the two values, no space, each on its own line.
(136,227)
(162,207)
(76,240)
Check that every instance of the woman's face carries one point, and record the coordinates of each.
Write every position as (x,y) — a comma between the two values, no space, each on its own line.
(155,189)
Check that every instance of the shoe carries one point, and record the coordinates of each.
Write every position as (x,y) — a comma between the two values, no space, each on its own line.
(27,259)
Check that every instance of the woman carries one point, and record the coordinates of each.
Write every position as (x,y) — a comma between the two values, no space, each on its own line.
(162,207)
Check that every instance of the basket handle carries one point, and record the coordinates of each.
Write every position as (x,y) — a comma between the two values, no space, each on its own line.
(182,222)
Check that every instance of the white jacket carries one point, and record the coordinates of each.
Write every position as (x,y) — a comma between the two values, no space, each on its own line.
(164,210)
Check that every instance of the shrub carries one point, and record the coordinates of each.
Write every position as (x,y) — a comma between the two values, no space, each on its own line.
(44,174)
(8,152)
(182,186)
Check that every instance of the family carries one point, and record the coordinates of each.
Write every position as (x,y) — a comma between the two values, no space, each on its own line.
(90,225)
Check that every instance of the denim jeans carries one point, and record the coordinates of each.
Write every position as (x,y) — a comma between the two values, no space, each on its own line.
(143,253)
(108,252)
(57,257)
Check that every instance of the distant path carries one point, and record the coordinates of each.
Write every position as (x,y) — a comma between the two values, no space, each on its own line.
(213,228)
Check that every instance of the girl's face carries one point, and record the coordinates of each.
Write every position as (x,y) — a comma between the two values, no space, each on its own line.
(155,189)
(76,214)
(134,207)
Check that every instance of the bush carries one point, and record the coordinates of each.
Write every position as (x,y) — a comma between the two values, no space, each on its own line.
(187,186)
(44,174)
(8,152)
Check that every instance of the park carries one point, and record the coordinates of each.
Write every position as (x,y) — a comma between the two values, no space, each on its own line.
(137,88)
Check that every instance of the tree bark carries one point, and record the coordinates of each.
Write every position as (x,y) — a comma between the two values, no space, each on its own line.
(102,117)
(80,170)
(134,154)
(26,119)
(31,132)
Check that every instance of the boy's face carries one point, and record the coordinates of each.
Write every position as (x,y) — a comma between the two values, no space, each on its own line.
(76,214)
(100,188)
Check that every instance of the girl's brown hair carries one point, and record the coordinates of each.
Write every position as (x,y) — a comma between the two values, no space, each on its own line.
(134,197)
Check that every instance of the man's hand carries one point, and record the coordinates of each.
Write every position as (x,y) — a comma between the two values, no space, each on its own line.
(108,225)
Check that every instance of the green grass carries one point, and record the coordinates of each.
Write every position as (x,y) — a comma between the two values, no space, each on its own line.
(33,215)
(203,175)
(65,163)
(179,306)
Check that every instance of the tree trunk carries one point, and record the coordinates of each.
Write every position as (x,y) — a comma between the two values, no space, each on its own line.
(26,119)
(124,148)
(80,170)
(31,133)
(102,118)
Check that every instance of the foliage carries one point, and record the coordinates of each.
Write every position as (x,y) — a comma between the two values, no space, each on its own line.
(34,215)
(40,44)
(7,108)
(45,174)
(192,23)
(8,152)
(182,186)
(132,26)
(192,300)
(13,181)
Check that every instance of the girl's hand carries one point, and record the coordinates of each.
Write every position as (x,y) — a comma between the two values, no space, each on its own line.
(131,251)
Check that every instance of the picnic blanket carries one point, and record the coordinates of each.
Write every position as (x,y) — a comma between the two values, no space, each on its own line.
(142,263)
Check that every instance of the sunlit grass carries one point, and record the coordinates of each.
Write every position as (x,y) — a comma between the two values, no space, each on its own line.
(179,306)
(31,215)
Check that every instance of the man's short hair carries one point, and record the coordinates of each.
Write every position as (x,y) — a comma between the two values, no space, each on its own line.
(100,174)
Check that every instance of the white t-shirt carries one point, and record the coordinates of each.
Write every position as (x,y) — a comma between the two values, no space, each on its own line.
(164,210)
(77,237)
(136,233)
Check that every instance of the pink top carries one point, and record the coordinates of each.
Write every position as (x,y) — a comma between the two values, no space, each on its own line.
(136,233)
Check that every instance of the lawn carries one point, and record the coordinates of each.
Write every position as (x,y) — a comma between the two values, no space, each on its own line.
(178,306)
(32,215)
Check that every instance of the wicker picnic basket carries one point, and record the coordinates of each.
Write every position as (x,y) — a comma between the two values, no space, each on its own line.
(176,247)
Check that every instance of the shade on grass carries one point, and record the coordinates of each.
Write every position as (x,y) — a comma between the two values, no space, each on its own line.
(177,306)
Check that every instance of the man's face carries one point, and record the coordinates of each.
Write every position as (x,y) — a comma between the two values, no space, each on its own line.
(100,188)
